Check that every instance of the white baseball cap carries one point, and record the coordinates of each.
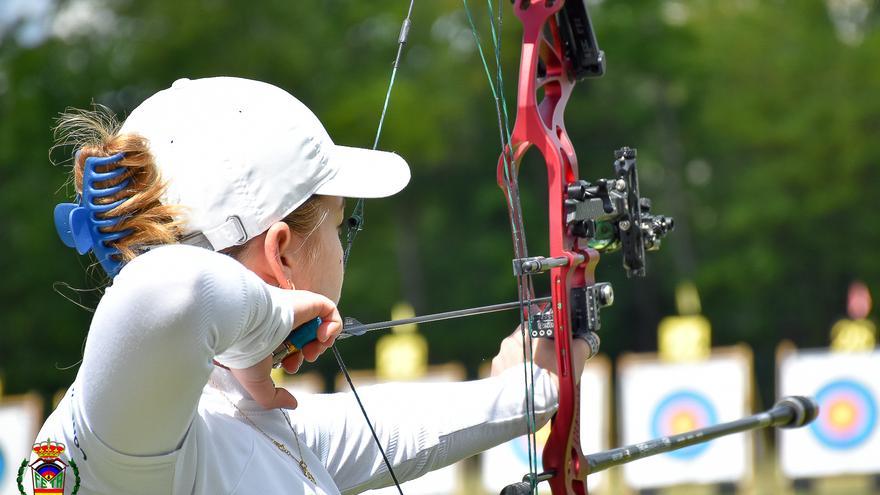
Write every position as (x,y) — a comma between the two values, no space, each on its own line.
(240,155)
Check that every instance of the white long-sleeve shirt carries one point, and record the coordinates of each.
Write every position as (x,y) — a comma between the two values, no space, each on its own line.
(147,413)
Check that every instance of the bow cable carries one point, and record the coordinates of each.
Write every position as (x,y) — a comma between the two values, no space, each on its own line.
(356,224)
(511,192)
(356,220)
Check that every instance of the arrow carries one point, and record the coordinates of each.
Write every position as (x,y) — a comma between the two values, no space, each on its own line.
(353,327)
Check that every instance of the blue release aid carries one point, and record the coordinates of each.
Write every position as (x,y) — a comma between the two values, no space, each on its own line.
(298,338)
(305,333)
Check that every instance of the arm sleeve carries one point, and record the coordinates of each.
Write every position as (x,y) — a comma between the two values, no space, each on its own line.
(422,426)
(154,334)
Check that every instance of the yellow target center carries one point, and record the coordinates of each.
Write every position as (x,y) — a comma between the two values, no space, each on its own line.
(842,414)
(683,422)
(543,434)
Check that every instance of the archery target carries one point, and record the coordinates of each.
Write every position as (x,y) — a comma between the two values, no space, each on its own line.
(847,414)
(508,462)
(682,411)
(844,438)
(19,424)
(659,398)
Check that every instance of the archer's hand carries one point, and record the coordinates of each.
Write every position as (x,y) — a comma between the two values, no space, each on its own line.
(256,379)
(543,353)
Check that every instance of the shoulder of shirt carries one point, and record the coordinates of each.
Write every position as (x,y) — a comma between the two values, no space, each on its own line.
(181,256)
(180,266)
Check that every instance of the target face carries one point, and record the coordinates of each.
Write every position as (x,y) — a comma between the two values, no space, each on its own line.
(2,464)
(847,414)
(683,411)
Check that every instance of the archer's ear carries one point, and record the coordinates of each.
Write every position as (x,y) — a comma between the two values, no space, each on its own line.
(278,240)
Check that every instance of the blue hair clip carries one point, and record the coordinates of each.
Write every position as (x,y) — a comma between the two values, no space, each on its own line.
(78,224)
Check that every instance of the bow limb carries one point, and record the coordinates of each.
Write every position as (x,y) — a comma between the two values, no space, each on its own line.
(540,124)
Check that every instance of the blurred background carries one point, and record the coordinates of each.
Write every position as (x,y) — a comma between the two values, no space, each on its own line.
(757,125)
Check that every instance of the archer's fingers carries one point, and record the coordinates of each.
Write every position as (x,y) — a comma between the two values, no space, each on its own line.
(259,384)
(329,328)
(310,304)
(324,339)
(580,351)
(267,395)
(292,362)
(313,349)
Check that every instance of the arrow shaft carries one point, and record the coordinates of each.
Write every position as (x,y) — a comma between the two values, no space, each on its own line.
(360,328)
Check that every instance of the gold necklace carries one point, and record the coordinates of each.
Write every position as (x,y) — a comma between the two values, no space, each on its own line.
(283,448)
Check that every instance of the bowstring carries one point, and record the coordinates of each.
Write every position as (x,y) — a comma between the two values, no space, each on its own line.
(355,225)
(524,282)
(356,219)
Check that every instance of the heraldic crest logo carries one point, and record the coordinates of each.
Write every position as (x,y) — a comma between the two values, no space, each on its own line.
(48,471)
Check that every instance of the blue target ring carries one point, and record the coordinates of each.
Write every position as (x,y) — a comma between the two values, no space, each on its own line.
(683,411)
(520,446)
(847,414)
(521,450)
(2,464)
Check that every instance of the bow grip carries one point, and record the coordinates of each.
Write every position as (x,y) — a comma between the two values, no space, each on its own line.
(298,338)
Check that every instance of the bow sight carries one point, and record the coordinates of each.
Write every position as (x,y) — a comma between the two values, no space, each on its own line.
(612,216)
(608,215)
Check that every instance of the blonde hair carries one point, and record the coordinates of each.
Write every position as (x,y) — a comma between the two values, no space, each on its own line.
(95,133)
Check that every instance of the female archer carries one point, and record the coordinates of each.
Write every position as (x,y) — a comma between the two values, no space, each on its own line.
(215,208)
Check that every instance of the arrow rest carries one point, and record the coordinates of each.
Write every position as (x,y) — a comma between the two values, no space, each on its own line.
(585,305)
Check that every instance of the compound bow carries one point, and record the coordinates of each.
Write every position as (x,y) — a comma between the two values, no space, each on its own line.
(558,48)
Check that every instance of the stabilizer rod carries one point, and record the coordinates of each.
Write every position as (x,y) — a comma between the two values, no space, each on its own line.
(789,412)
